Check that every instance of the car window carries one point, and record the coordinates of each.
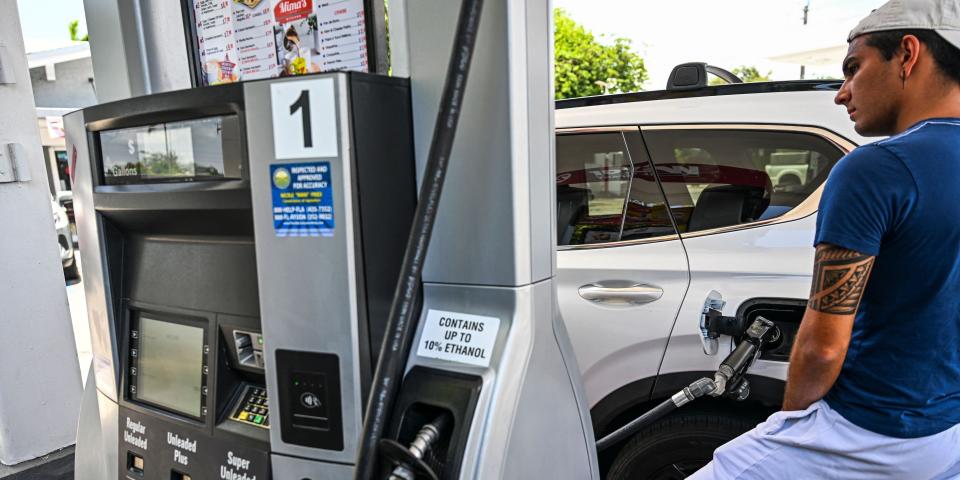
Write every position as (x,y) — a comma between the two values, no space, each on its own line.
(719,178)
(647,214)
(605,191)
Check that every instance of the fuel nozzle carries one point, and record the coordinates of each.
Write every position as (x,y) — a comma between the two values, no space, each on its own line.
(761,333)
(729,377)
(408,461)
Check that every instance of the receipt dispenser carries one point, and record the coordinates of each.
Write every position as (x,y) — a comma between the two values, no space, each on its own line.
(240,246)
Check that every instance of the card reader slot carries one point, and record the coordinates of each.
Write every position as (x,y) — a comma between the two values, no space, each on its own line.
(249,348)
(312,422)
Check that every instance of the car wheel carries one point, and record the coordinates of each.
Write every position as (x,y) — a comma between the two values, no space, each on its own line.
(71,273)
(677,446)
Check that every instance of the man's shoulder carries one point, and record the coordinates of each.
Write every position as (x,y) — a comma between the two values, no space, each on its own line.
(867,160)
(872,170)
(923,135)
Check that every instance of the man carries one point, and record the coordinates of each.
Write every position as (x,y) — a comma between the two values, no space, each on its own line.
(873,389)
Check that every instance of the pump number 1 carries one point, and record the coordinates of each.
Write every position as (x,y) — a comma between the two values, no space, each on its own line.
(304,119)
(303,104)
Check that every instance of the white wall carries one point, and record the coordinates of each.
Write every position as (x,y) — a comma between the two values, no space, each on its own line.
(73,87)
(138,47)
(39,377)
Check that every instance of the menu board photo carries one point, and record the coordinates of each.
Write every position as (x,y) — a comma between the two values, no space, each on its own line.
(240,40)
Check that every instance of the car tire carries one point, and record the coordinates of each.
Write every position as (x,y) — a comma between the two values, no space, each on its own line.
(72,273)
(676,446)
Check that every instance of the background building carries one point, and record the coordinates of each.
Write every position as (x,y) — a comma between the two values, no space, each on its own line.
(61,75)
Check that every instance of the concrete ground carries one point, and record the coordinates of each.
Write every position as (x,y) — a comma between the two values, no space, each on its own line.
(81,330)
(53,466)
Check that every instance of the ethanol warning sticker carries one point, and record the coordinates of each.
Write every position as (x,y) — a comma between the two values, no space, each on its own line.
(459,337)
(302,199)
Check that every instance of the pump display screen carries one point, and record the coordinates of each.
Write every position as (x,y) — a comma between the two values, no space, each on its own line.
(170,366)
(201,149)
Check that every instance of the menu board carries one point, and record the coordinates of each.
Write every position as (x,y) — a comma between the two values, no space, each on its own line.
(241,40)
(256,50)
(343,35)
(216,41)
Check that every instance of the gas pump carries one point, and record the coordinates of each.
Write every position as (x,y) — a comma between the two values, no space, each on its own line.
(242,245)
(240,253)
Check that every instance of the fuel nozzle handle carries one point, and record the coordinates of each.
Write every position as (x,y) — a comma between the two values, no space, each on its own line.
(409,461)
(732,368)
(730,373)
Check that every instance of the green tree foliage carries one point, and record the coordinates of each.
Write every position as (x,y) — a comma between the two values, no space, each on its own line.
(74,28)
(751,74)
(586,67)
(163,165)
(747,74)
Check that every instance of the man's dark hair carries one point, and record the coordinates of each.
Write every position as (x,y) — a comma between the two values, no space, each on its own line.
(946,55)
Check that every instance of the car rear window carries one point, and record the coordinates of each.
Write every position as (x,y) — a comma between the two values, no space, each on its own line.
(719,178)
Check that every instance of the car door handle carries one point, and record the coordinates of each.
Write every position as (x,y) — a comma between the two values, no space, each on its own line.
(636,294)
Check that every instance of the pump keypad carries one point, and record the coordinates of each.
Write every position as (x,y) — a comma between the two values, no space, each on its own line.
(253,407)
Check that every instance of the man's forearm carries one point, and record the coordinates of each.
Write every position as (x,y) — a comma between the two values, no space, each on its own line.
(812,373)
(839,279)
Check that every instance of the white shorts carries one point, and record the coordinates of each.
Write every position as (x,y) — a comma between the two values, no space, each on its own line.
(818,443)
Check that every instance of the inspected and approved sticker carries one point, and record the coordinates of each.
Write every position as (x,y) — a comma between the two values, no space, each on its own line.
(459,337)
(302,199)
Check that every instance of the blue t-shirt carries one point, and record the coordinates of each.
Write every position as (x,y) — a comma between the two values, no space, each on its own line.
(899,199)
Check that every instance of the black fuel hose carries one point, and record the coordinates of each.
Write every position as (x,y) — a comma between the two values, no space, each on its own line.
(690,393)
(401,325)
(625,431)
(761,332)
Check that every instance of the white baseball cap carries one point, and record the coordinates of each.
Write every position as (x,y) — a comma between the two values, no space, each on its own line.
(941,16)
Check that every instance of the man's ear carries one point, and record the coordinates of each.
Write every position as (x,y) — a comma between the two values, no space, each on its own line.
(909,53)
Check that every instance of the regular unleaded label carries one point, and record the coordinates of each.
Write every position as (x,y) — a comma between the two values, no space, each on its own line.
(459,337)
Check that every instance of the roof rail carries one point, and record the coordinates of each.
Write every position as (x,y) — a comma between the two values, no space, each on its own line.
(781,86)
(689,76)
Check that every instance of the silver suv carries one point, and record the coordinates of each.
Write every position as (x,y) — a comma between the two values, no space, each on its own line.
(671,204)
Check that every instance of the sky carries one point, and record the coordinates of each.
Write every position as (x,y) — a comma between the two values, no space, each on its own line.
(45,21)
(725,33)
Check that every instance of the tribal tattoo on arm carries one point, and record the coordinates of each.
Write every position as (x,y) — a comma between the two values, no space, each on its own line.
(839,279)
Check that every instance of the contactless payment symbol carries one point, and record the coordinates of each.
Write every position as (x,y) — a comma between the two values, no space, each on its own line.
(281,178)
(310,400)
